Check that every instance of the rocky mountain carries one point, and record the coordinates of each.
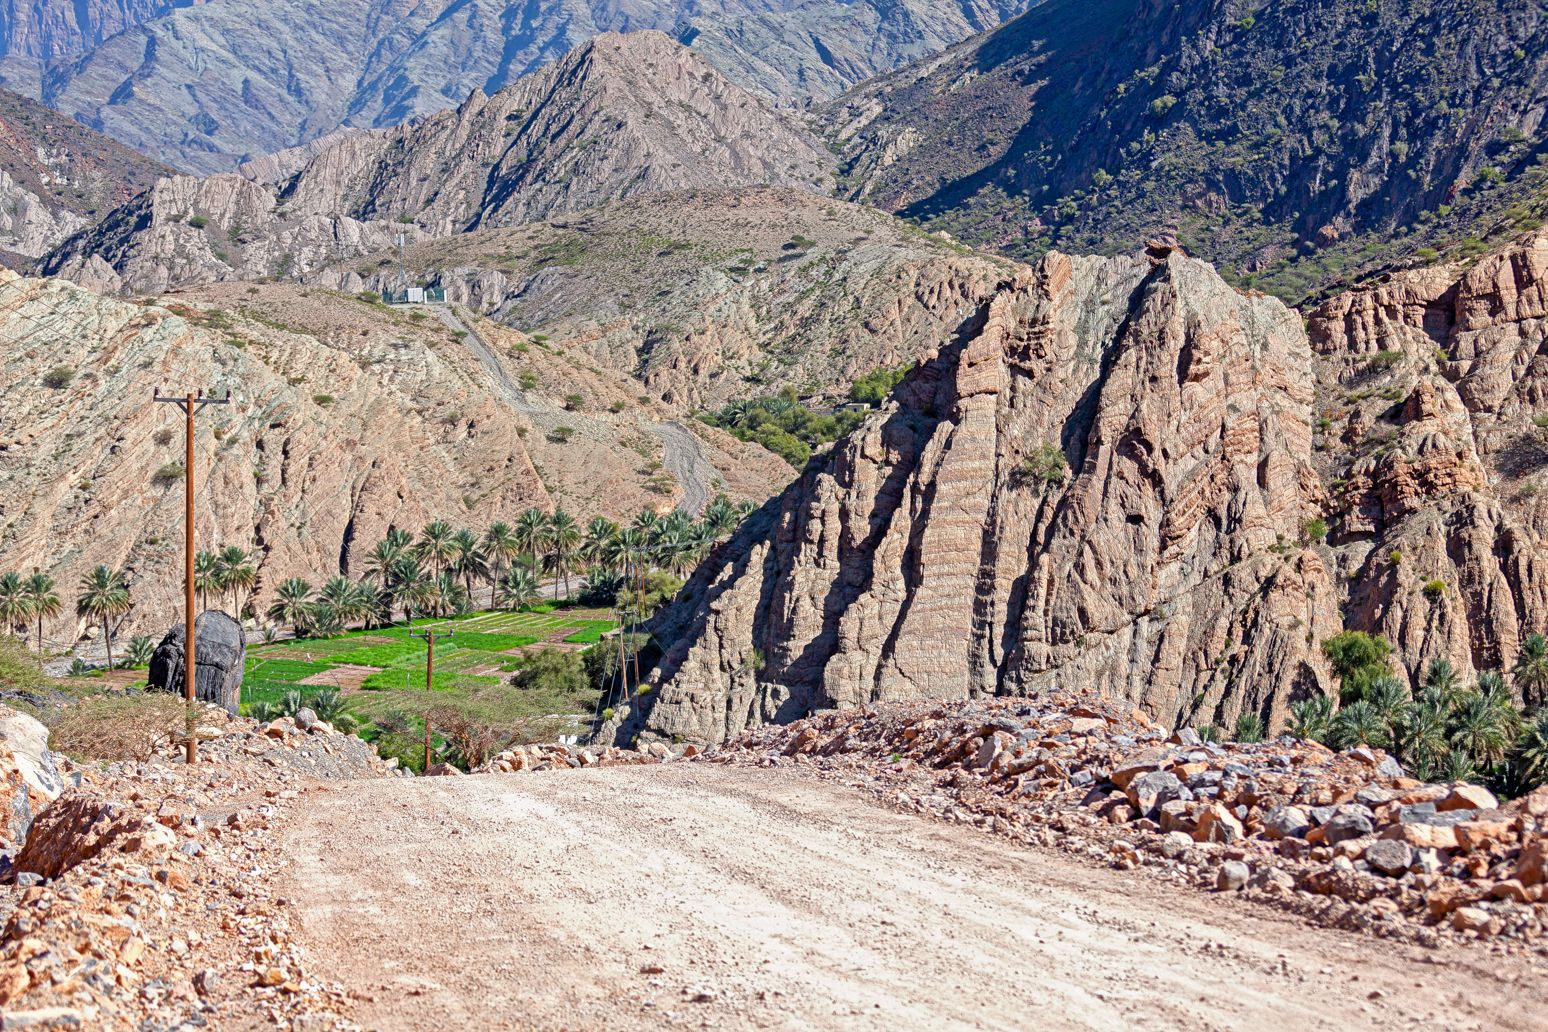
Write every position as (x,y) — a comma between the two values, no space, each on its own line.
(1296,145)
(346,418)
(210,85)
(819,49)
(1431,439)
(1101,481)
(57,177)
(45,30)
(711,296)
(621,116)
(1120,477)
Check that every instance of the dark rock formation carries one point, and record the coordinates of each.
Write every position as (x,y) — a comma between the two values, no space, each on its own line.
(221,649)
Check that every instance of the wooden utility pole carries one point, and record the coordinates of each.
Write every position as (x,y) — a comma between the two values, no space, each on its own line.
(429,637)
(190,404)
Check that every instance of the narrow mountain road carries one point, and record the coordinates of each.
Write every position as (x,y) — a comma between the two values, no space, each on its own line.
(684,459)
(486,358)
(703,896)
(682,456)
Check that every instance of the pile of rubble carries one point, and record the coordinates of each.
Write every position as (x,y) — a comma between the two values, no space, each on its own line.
(550,756)
(1343,838)
(141,897)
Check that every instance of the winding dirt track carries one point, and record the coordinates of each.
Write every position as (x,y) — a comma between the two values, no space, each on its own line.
(700,896)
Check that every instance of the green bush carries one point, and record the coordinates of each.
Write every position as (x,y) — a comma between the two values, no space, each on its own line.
(1358,660)
(1434,589)
(1045,465)
(1314,530)
(58,377)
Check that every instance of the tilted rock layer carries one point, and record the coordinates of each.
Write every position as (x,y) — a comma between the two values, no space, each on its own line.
(943,552)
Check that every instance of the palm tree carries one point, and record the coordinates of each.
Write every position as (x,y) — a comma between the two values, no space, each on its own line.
(1441,677)
(339,603)
(1357,724)
(563,536)
(1530,673)
(531,526)
(15,604)
(720,517)
(600,533)
(237,573)
(1481,730)
(104,596)
(1309,718)
(1530,756)
(45,601)
(1389,698)
(436,544)
(470,560)
(141,650)
(1419,738)
(502,548)
(519,588)
(293,605)
(207,577)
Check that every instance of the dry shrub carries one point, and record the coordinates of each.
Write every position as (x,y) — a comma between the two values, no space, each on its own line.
(127,727)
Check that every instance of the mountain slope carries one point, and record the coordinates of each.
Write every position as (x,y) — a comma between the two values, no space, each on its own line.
(346,418)
(712,296)
(57,176)
(48,29)
(1287,141)
(823,47)
(621,116)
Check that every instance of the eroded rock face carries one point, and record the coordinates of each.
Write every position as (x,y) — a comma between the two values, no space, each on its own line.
(29,774)
(220,647)
(1431,381)
(944,552)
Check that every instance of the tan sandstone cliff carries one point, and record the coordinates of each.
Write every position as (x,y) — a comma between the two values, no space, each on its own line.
(939,553)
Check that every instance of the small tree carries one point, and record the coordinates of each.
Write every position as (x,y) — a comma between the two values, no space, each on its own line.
(1046,465)
(1358,659)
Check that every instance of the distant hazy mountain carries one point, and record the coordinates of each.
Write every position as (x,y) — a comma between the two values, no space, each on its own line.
(820,49)
(1297,142)
(210,85)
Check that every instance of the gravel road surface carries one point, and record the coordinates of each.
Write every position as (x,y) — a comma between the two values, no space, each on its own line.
(703,896)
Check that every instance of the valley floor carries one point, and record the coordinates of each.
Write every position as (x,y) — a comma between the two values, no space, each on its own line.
(707,896)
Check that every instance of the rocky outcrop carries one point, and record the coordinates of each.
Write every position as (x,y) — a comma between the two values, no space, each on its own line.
(619,117)
(1103,482)
(220,647)
(50,29)
(29,774)
(1432,388)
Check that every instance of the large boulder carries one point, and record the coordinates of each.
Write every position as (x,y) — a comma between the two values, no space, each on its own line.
(29,778)
(219,652)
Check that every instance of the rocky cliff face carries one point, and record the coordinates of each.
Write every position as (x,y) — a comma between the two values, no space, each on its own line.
(48,29)
(57,176)
(1279,141)
(1433,390)
(622,116)
(347,419)
(944,550)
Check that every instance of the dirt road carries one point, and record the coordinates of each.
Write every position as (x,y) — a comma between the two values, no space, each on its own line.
(698,896)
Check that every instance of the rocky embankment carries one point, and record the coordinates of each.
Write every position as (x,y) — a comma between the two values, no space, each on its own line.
(142,895)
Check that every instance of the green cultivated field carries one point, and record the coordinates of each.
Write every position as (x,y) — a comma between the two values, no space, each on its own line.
(483,651)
